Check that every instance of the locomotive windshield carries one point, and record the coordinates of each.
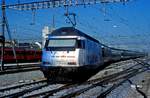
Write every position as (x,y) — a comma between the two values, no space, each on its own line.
(62,43)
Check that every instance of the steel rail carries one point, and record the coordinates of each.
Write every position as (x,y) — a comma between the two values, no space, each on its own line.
(88,88)
(47,93)
(96,82)
(132,73)
(17,94)
(21,85)
(11,71)
(104,94)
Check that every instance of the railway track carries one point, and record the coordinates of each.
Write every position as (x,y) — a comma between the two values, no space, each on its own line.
(19,89)
(23,67)
(44,89)
(74,86)
(129,73)
(11,71)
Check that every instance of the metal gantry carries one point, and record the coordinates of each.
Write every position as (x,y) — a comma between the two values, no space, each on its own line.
(57,3)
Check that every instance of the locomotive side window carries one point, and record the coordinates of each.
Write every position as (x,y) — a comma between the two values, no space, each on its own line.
(81,44)
(46,43)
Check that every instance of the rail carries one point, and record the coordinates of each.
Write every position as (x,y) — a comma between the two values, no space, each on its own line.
(45,89)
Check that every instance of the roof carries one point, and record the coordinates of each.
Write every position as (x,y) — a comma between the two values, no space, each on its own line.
(71,31)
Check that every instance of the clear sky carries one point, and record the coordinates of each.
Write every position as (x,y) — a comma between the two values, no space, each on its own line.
(119,25)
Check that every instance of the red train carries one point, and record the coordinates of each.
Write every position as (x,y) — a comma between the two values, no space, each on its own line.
(22,55)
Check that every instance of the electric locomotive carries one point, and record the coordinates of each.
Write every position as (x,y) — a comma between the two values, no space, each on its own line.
(70,55)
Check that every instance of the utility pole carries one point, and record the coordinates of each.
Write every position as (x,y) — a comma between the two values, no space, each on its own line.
(2,36)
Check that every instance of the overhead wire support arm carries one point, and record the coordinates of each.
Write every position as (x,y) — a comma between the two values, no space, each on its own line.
(57,3)
(33,17)
(12,42)
(73,22)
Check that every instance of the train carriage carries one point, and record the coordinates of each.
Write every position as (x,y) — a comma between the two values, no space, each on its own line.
(22,55)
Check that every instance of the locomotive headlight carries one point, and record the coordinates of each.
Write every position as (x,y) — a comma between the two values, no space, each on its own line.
(72,63)
(47,63)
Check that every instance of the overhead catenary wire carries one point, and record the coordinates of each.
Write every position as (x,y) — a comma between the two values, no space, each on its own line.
(83,2)
(121,20)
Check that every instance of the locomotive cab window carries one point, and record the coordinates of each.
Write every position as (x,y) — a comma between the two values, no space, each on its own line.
(61,43)
(56,44)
